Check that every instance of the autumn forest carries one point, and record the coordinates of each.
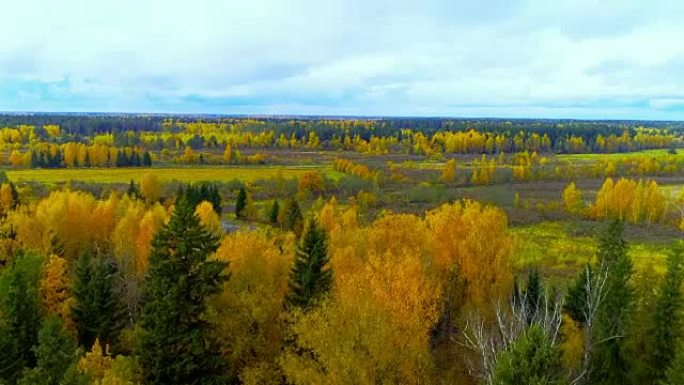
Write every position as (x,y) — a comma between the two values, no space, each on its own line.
(162,249)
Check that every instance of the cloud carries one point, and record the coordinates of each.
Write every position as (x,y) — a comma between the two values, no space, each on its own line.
(497,58)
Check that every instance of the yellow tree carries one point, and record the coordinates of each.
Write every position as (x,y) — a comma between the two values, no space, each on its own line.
(572,199)
(373,330)
(208,217)
(474,238)
(54,288)
(247,313)
(449,171)
(150,187)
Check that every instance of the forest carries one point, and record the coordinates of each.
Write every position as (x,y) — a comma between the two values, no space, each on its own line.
(181,249)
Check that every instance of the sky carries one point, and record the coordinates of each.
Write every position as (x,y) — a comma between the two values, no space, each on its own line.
(583,59)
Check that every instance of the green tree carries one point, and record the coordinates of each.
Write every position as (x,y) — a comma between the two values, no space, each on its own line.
(97,311)
(55,353)
(274,212)
(175,345)
(533,359)
(293,219)
(133,191)
(666,322)
(20,324)
(311,276)
(609,366)
(241,203)
(675,372)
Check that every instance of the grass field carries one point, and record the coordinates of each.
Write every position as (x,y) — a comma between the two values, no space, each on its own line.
(184,174)
(563,248)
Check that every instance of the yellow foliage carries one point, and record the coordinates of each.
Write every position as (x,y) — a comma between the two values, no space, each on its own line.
(247,312)
(208,217)
(150,187)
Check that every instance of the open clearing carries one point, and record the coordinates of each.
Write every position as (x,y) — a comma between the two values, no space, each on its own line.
(184,174)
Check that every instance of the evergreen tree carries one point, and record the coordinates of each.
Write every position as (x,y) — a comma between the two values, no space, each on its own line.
(175,345)
(608,366)
(241,203)
(532,359)
(575,299)
(275,211)
(55,352)
(675,372)
(293,219)
(15,195)
(86,160)
(667,322)
(311,276)
(147,159)
(97,312)
(21,321)
(133,191)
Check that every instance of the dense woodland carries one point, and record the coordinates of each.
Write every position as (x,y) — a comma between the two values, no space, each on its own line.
(400,254)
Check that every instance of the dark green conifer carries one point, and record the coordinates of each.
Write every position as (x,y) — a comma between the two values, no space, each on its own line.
(311,277)
(175,343)
(241,203)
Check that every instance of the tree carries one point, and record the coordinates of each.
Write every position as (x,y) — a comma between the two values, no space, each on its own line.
(133,191)
(274,212)
(675,372)
(175,346)
(54,287)
(311,277)
(150,188)
(449,171)
(241,203)
(21,316)
(667,318)
(97,312)
(291,217)
(608,364)
(532,359)
(55,352)
(572,199)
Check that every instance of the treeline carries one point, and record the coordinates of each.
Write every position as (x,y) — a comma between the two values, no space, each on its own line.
(364,136)
(75,155)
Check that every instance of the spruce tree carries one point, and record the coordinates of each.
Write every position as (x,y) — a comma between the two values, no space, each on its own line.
(55,352)
(609,366)
(175,343)
(133,191)
(21,320)
(293,218)
(147,159)
(532,359)
(275,211)
(667,318)
(311,276)
(241,203)
(97,312)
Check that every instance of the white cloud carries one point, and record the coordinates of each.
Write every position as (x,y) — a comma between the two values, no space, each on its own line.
(367,57)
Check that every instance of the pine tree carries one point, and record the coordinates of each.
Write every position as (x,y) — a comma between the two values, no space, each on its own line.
(97,312)
(531,359)
(55,352)
(22,321)
(133,191)
(147,159)
(175,345)
(275,211)
(241,203)
(608,364)
(311,276)
(667,318)
(292,217)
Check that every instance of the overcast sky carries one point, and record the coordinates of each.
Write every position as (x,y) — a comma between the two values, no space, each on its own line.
(499,58)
